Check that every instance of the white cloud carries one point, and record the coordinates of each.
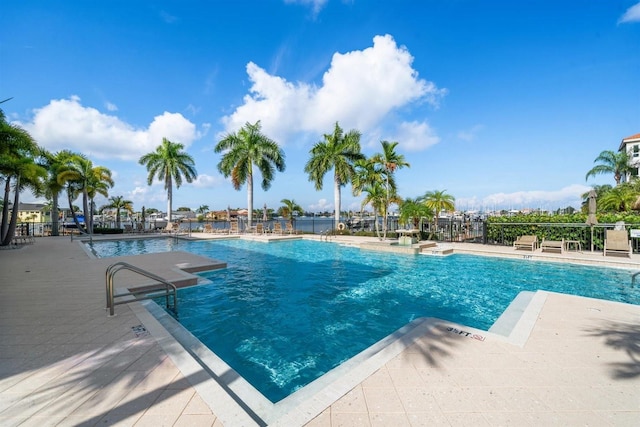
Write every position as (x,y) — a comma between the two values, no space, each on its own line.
(111,106)
(321,206)
(470,134)
(415,136)
(316,5)
(570,195)
(631,15)
(208,181)
(359,90)
(67,124)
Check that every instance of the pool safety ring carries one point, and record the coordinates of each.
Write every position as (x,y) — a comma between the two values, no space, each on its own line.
(341,226)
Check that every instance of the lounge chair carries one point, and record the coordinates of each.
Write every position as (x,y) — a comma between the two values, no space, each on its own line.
(277,228)
(290,228)
(233,227)
(172,227)
(617,242)
(259,228)
(552,245)
(128,228)
(526,242)
(208,229)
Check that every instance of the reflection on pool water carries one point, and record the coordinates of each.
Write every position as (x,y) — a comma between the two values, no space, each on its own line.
(282,314)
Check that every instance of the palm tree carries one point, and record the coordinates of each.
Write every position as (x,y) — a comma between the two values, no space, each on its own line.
(169,163)
(203,209)
(82,177)
(376,196)
(621,198)
(438,201)
(339,152)
(611,162)
(290,207)
(118,203)
(53,163)
(413,210)
(242,151)
(18,152)
(390,161)
(600,190)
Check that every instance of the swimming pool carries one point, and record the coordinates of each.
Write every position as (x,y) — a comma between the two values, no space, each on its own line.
(283,314)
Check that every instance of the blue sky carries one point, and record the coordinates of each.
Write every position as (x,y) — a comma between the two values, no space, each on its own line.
(502,104)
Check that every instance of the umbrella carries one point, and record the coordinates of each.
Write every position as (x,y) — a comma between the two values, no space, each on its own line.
(591,218)
(264,213)
(228,213)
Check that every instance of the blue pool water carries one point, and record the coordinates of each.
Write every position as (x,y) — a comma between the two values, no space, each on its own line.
(282,314)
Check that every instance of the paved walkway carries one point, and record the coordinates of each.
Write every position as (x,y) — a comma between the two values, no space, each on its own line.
(568,361)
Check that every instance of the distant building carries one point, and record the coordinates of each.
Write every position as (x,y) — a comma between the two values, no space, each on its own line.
(31,212)
(631,145)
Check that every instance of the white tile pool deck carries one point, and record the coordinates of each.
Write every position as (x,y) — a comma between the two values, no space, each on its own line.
(64,362)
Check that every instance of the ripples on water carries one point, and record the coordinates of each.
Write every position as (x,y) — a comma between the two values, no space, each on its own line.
(284,313)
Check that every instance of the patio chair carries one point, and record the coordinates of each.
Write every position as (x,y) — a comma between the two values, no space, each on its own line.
(172,227)
(552,245)
(277,228)
(290,228)
(233,227)
(526,242)
(617,242)
(208,229)
(259,228)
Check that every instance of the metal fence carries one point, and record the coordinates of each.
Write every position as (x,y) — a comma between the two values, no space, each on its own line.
(462,229)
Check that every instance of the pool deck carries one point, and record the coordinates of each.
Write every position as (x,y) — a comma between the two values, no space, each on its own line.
(555,359)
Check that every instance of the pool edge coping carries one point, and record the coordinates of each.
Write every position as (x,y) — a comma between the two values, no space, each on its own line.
(242,404)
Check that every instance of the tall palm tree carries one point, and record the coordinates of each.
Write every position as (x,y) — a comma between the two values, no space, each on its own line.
(242,151)
(118,203)
(611,162)
(337,151)
(169,163)
(438,201)
(390,161)
(18,151)
(289,208)
(53,163)
(86,179)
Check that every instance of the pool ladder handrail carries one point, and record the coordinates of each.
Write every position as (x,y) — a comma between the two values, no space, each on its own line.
(145,292)
(326,234)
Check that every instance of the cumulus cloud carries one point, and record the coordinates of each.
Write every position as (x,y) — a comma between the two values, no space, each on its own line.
(208,181)
(321,206)
(415,136)
(67,124)
(359,90)
(570,195)
(631,15)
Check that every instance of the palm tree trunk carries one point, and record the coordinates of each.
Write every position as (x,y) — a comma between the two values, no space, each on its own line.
(249,200)
(336,200)
(54,216)
(11,228)
(5,209)
(85,208)
(169,198)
